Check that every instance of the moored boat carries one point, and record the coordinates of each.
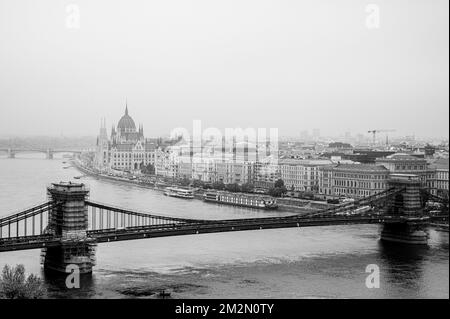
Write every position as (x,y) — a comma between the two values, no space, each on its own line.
(245,200)
(179,192)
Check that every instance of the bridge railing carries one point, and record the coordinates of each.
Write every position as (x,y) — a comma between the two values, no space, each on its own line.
(30,222)
(435,198)
(104,217)
(365,201)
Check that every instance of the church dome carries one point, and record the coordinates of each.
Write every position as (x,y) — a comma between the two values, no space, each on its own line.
(126,123)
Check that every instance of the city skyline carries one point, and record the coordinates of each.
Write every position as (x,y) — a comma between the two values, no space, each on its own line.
(244,150)
(269,64)
(314,134)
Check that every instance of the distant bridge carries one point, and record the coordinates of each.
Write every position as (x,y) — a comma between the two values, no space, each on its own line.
(68,227)
(11,152)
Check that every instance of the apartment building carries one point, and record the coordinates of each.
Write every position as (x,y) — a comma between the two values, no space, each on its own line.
(302,175)
(353,180)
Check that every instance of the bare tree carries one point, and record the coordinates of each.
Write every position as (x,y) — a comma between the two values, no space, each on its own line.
(15,285)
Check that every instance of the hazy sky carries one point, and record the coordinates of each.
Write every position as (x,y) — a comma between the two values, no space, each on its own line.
(291,64)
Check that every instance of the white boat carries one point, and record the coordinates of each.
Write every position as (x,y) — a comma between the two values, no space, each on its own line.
(179,192)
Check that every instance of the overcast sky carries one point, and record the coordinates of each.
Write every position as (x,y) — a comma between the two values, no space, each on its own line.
(291,64)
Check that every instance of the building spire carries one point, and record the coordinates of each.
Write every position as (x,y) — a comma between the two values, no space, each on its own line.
(126,106)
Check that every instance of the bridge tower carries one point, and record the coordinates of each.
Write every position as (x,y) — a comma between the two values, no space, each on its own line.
(49,154)
(11,153)
(68,221)
(408,224)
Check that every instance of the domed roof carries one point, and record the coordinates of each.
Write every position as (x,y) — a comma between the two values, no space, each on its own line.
(126,123)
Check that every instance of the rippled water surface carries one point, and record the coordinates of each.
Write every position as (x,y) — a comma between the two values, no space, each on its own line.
(317,262)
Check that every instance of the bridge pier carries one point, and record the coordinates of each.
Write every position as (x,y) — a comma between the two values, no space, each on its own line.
(410,226)
(407,232)
(68,221)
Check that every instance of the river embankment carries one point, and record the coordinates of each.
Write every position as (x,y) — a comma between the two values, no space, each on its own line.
(285,204)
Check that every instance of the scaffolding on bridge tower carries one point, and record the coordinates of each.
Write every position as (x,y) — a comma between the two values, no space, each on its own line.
(408,205)
(68,220)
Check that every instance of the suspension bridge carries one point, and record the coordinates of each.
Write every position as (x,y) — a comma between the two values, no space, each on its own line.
(68,227)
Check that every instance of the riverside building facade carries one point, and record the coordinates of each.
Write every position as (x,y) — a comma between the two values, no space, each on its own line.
(302,175)
(400,163)
(353,180)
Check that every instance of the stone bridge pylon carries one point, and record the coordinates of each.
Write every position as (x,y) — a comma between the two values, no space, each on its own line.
(69,222)
(408,206)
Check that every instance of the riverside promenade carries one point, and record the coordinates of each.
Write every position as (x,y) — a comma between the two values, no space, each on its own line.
(285,204)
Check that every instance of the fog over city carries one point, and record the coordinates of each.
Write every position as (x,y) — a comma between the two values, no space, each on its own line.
(233,157)
(293,65)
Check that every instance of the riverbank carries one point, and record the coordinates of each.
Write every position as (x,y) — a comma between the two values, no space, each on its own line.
(285,204)
(256,263)
(118,179)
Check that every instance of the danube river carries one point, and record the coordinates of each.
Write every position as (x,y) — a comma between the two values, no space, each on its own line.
(317,262)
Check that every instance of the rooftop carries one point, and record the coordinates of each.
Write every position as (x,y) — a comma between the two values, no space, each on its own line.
(306,162)
(126,123)
(400,157)
(361,167)
(440,163)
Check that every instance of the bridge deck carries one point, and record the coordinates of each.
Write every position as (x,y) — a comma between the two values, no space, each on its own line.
(108,235)
(28,242)
(213,227)
(107,223)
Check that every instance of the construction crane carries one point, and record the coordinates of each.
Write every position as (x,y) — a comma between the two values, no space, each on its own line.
(374,134)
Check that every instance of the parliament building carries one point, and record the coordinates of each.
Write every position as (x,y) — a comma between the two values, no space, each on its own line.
(126,149)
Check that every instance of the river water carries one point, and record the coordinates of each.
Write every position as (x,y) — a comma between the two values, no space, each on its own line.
(316,262)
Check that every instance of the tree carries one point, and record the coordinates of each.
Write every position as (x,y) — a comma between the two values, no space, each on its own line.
(218,185)
(14,285)
(279,189)
(279,183)
(232,187)
(275,192)
(425,197)
(148,169)
(247,188)
(207,186)
(185,181)
(197,183)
